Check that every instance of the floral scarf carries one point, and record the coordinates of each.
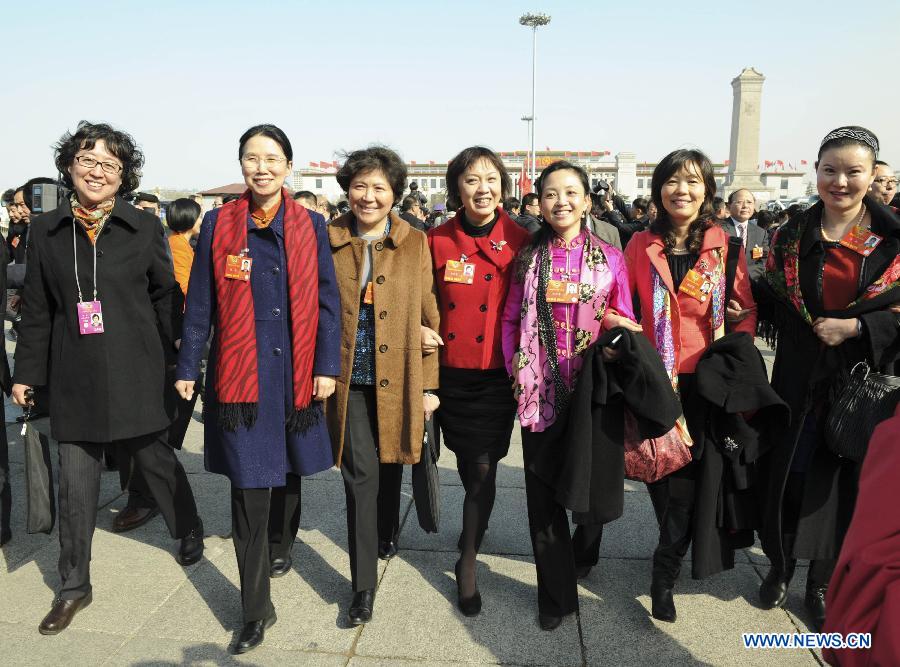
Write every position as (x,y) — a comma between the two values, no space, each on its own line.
(662,309)
(91,219)
(785,280)
(540,391)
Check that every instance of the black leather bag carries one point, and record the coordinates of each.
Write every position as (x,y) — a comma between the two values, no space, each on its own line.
(426,481)
(867,399)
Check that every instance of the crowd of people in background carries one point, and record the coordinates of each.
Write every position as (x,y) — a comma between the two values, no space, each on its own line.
(333,335)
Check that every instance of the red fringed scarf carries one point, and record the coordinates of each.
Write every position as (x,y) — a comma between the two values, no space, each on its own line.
(237,379)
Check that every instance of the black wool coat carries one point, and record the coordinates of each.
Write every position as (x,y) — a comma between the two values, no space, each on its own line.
(110,386)
(730,383)
(808,375)
(588,468)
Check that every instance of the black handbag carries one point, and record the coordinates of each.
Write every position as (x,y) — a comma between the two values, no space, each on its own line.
(426,481)
(867,399)
(40,500)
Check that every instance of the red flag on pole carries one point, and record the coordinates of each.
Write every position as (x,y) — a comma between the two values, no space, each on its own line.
(769,164)
(524,181)
(803,163)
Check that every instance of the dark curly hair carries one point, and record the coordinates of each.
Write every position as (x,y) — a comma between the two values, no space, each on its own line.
(119,143)
(465,159)
(374,158)
(691,160)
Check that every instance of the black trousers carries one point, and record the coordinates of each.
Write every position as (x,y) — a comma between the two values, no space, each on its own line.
(264,524)
(820,570)
(80,464)
(372,489)
(556,551)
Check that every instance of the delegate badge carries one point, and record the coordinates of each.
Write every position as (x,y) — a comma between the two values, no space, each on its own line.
(237,267)
(369,296)
(861,240)
(696,285)
(756,252)
(562,291)
(90,317)
(459,272)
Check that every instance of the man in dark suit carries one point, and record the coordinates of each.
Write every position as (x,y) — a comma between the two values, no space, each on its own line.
(741,207)
(411,211)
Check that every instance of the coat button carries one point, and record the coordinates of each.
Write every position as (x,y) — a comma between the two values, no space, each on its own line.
(276,270)
(382,348)
(489,276)
(276,312)
(379,246)
(383,383)
(451,305)
(277,351)
(482,308)
(479,339)
(451,336)
(382,314)
(379,280)
(99,253)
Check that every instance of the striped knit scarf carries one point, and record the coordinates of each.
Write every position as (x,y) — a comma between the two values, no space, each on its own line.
(237,379)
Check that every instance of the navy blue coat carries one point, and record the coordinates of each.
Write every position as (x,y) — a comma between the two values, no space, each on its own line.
(261,456)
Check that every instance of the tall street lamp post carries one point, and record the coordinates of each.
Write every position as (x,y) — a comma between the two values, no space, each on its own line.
(533,21)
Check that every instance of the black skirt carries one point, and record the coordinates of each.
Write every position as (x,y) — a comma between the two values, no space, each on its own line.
(477,412)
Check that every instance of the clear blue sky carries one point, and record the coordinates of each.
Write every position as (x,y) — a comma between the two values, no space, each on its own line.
(429,78)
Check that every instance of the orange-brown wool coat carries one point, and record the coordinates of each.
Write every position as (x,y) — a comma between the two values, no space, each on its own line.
(404,299)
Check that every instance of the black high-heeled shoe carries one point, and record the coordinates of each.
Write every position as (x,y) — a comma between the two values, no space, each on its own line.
(662,603)
(469,606)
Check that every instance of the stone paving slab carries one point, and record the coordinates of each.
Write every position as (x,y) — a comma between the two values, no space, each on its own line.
(417,601)
(712,614)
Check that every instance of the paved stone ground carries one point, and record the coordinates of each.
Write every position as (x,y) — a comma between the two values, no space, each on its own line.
(148,610)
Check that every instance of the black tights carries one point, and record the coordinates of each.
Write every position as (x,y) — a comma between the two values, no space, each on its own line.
(479,479)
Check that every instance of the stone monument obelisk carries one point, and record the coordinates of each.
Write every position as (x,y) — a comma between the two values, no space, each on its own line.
(743,166)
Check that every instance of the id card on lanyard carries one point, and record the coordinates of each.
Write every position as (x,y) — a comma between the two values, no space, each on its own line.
(89,313)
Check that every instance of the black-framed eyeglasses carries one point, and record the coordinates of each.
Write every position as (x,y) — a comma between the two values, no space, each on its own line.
(88,162)
(887,182)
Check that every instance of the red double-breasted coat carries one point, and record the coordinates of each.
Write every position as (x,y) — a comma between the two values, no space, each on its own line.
(471,314)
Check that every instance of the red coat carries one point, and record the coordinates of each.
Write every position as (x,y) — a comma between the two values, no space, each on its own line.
(864,594)
(691,318)
(471,314)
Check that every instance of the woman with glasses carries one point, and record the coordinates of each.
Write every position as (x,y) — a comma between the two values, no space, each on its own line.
(264,278)
(101,319)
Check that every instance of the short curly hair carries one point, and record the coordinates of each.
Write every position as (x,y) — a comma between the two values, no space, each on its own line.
(374,158)
(119,143)
(465,159)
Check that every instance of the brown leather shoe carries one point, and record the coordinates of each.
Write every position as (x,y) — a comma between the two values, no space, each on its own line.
(62,614)
(133,517)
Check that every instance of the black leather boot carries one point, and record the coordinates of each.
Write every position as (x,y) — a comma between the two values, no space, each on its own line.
(662,602)
(773,590)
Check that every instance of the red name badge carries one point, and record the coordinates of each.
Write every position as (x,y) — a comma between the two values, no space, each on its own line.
(696,285)
(90,317)
(562,291)
(459,272)
(369,296)
(237,267)
(861,240)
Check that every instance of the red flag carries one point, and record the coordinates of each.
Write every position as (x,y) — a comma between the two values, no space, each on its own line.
(325,165)
(334,164)
(524,182)
(595,153)
(313,164)
(779,163)
(803,163)
(769,164)
(727,162)
(606,152)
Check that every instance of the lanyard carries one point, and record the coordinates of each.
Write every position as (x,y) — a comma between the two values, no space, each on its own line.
(75,253)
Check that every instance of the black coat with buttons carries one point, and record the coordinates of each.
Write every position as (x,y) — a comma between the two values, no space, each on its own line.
(110,386)
(471,314)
